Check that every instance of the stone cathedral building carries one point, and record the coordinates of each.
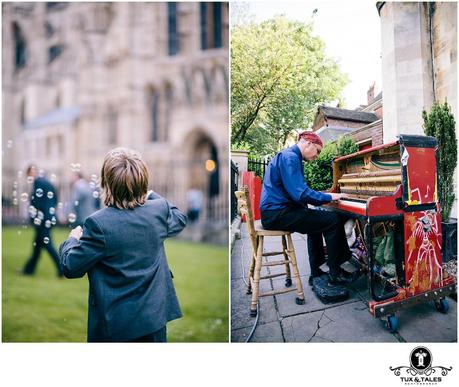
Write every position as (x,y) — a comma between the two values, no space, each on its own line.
(82,78)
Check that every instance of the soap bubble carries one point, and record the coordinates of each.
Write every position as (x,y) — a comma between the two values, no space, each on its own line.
(15,202)
(50,194)
(92,184)
(60,205)
(93,177)
(40,215)
(30,179)
(95,194)
(72,217)
(53,178)
(15,184)
(48,224)
(76,203)
(19,232)
(37,221)
(41,173)
(39,193)
(53,220)
(52,210)
(45,240)
(20,174)
(32,211)
(9,144)
(24,196)
(15,193)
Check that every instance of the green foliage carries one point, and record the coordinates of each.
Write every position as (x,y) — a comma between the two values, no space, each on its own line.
(279,74)
(44,308)
(319,173)
(440,124)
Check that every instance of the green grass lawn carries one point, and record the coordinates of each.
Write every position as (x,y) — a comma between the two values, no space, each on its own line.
(44,308)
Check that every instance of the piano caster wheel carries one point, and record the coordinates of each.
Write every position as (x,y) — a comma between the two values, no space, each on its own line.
(288,282)
(253,313)
(299,301)
(442,305)
(392,323)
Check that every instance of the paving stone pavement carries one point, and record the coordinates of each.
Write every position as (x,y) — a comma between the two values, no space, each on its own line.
(282,320)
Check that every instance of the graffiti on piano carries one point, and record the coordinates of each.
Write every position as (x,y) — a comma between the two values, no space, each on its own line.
(423,246)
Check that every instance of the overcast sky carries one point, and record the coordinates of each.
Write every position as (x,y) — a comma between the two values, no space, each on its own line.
(351,31)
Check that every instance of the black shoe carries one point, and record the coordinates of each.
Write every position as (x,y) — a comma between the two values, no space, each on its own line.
(327,292)
(310,279)
(344,277)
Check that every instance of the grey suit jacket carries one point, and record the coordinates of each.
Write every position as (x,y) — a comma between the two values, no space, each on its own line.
(131,293)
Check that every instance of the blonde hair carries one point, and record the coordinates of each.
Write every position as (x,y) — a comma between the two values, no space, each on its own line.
(124,179)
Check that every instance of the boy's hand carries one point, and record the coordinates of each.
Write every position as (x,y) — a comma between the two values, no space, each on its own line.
(76,233)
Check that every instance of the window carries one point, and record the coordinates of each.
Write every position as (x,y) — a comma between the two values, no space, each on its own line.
(154,115)
(112,126)
(211,25)
(169,94)
(22,113)
(20,47)
(54,52)
(173,42)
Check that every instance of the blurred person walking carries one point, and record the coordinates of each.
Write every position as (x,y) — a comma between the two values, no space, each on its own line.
(83,202)
(43,201)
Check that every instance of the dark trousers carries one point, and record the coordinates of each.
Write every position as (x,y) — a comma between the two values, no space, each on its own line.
(314,223)
(40,234)
(159,336)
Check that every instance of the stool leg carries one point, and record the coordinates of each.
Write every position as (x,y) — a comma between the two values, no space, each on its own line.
(288,279)
(296,274)
(251,270)
(256,278)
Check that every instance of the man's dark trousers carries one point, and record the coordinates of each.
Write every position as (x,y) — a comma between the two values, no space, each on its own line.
(42,232)
(314,223)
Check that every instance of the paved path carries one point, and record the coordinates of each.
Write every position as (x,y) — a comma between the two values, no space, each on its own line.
(282,320)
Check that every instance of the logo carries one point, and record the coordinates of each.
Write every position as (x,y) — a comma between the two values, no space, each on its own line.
(420,370)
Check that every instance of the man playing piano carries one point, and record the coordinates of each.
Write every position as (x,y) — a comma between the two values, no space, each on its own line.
(284,206)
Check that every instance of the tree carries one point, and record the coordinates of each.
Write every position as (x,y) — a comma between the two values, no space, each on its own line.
(319,172)
(440,124)
(279,74)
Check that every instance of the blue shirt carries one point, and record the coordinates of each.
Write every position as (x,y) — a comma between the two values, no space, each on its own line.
(284,185)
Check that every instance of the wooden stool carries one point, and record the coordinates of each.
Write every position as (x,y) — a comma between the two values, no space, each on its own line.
(257,234)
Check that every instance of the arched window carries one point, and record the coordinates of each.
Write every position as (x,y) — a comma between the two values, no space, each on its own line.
(211,25)
(20,47)
(173,41)
(112,126)
(154,115)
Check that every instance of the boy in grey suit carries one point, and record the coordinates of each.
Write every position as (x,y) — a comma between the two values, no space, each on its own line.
(121,247)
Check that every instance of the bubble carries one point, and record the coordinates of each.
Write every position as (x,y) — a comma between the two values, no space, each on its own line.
(60,205)
(95,194)
(52,210)
(40,215)
(19,232)
(72,217)
(50,194)
(53,178)
(15,184)
(15,202)
(75,167)
(15,193)
(39,193)
(32,211)
(92,185)
(20,174)
(9,144)
(76,203)
(93,177)
(45,240)
(53,220)
(34,244)
(48,224)
(30,179)
(24,196)
(41,172)
(37,221)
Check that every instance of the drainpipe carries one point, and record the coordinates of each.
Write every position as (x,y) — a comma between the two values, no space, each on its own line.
(431,6)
